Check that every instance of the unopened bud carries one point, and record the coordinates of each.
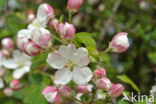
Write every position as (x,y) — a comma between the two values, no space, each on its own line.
(103,84)
(119,43)
(116,90)
(15,84)
(74,5)
(66,30)
(51,94)
(7,44)
(32,49)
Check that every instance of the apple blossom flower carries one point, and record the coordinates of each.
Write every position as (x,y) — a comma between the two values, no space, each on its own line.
(66,30)
(23,37)
(7,44)
(119,43)
(20,63)
(116,90)
(15,84)
(31,48)
(85,88)
(51,94)
(65,91)
(100,72)
(74,5)
(8,92)
(41,37)
(103,83)
(44,13)
(5,53)
(71,64)
(31,16)
(1,83)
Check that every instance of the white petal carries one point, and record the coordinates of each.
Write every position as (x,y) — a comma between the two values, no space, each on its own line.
(41,15)
(26,59)
(67,51)
(16,54)
(10,64)
(18,73)
(81,57)
(82,75)
(24,33)
(63,76)
(55,60)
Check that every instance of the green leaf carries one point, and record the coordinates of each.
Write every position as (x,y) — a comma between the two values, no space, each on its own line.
(126,79)
(93,53)
(39,60)
(84,98)
(33,94)
(85,39)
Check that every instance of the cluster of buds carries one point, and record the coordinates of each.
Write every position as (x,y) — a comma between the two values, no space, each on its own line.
(14,85)
(103,83)
(36,37)
(7,47)
(53,94)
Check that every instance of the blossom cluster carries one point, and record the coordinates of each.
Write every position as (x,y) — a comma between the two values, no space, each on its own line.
(72,61)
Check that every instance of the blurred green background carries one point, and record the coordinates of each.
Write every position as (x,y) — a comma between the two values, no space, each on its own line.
(137,17)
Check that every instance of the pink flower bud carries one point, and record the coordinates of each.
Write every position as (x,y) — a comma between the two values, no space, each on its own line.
(85,88)
(42,37)
(116,90)
(51,94)
(53,23)
(103,84)
(7,44)
(32,49)
(66,30)
(5,53)
(8,92)
(15,84)
(99,73)
(65,91)
(22,38)
(45,11)
(74,5)
(31,16)
(119,43)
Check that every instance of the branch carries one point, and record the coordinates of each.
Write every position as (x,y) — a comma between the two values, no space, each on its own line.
(108,22)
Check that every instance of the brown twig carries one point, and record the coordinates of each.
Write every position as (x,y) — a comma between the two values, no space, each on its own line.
(108,22)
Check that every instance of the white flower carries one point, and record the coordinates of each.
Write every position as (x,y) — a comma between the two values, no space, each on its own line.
(72,64)
(20,62)
(1,83)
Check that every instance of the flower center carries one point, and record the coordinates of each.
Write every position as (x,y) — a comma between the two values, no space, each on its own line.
(20,63)
(69,64)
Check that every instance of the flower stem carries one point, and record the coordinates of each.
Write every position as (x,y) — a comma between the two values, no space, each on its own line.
(93,96)
(70,17)
(55,37)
